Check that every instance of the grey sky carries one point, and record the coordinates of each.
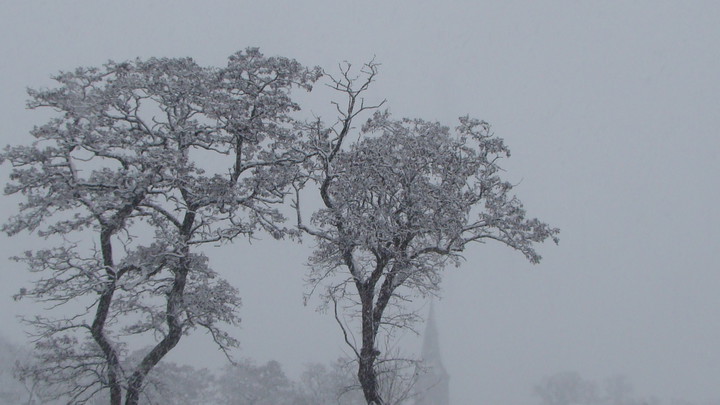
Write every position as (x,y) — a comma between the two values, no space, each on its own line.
(611,112)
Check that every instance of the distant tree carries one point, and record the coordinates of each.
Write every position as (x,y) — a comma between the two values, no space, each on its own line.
(148,159)
(570,388)
(334,385)
(619,391)
(13,391)
(567,388)
(399,205)
(170,383)
(245,383)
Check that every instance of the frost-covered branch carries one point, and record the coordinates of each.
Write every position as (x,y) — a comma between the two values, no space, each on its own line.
(399,205)
(145,147)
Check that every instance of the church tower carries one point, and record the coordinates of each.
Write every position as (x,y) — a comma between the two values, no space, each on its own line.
(432,387)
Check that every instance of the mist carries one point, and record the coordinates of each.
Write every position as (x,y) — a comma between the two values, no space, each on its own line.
(609,109)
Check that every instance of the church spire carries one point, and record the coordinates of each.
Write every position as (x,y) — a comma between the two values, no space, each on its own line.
(432,386)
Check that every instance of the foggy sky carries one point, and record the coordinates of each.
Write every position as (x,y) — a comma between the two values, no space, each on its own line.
(610,110)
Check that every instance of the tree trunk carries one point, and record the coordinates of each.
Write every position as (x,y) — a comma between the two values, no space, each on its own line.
(103,308)
(368,378)
(174,306)
(368,353)
(106,347)
(172,318)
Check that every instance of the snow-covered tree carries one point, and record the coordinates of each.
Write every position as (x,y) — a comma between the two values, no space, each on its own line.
(145,161)
(399,205)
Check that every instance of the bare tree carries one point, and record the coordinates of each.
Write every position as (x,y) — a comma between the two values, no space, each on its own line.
(150,159)
(399,205)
